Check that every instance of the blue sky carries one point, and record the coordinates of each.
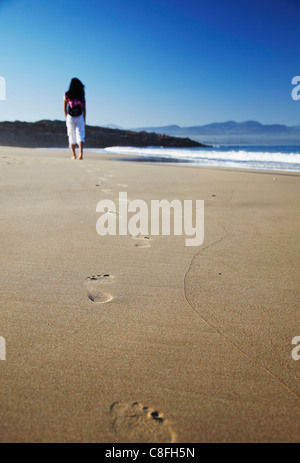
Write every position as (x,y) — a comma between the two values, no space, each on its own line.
(152,62)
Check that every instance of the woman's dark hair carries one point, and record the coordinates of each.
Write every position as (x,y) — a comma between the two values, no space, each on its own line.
(76,90)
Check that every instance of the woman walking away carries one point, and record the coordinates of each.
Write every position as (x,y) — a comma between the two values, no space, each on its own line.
(75,112)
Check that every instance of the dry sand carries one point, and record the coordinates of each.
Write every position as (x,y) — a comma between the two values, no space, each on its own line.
(193,345)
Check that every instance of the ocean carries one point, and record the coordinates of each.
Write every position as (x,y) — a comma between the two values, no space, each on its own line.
(261,157)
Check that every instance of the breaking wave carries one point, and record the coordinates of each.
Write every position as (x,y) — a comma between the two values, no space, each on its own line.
(252,157)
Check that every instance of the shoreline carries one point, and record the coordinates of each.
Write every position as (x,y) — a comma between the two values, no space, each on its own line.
(102,333)
(104,155)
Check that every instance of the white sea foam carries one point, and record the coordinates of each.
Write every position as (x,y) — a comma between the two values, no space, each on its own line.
(235,158)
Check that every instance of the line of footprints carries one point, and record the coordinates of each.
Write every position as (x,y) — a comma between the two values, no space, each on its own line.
(132,421)
(98,285)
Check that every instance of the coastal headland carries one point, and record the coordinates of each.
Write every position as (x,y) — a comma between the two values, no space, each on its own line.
(52,134)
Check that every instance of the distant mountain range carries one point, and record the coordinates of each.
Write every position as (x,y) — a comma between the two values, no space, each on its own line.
(53,134)
(230,128)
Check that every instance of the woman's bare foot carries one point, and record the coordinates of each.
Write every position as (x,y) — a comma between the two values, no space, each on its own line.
(81,144)
(73,149)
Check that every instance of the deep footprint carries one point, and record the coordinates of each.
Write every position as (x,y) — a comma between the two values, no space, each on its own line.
(136,423)
(142,241)
(94,285)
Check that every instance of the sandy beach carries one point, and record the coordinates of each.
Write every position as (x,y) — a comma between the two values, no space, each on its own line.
(115,339)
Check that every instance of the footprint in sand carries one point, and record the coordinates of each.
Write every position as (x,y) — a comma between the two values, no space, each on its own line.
(8,160)
(133,422)
(141,241)
(100,182)
(96,288)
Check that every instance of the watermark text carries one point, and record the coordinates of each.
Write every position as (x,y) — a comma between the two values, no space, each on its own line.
(156,219)
(2,88)
(2,348)
(296,89)
(296,350)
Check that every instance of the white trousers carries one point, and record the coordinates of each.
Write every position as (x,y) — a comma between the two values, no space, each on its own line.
(76,129)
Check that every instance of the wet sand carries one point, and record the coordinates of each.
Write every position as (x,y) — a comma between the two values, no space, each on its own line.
(114,339)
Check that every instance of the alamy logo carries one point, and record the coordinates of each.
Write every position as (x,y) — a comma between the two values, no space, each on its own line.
(296,350)
(2,348)
(160,214)
(2,88)
(296,90)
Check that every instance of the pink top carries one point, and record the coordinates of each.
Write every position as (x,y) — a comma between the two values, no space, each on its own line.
(73,103)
